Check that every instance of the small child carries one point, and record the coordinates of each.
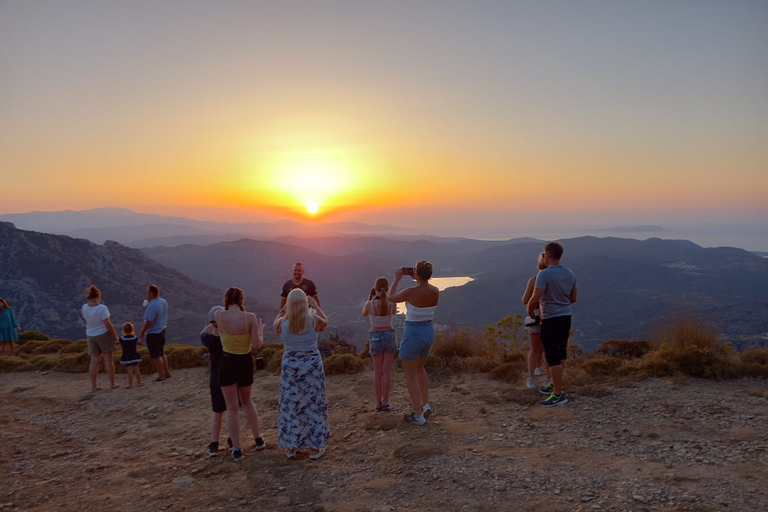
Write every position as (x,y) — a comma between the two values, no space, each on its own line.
(131,358)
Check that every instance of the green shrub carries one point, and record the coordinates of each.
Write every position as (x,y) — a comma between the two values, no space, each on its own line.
(623,349)
(339,364)
(25,336)
(13,364)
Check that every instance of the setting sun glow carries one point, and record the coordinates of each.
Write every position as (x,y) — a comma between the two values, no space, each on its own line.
(312,181)
(312,207)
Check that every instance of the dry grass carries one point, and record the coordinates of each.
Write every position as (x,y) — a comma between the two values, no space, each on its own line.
(624,349)
(339,364)
(678,351)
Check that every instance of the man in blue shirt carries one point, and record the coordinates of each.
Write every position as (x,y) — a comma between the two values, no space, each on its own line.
(155,321)
(554,292)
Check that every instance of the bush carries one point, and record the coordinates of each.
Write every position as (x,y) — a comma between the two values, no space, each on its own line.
(183,356)
(13,365)
(755,355)
(73,363)
(28,348)
(607,366)
(49,346)
(75,348)
(623,349)
(43,362)
(25,336)
(692,349)
(454,345)
(339,364)
(272,353)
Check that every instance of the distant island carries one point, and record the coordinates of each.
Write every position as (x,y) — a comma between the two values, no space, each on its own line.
(634,229)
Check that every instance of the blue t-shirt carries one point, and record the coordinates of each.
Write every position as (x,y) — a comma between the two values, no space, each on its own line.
(157,313)
(558,282)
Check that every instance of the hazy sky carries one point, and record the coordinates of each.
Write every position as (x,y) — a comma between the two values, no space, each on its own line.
(431,113)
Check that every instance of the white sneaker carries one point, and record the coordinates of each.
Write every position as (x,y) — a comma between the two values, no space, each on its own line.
(426,411)
(531,384)
(538,371)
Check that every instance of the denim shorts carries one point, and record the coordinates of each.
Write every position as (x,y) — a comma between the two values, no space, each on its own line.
(383,341)
(417,340)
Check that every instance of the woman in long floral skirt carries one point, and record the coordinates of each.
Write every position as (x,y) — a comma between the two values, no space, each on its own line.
(303,415)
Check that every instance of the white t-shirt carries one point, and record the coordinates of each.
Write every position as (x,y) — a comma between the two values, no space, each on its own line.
(94,319)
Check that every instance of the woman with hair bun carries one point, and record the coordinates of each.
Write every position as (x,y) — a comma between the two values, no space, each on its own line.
(101,336)
(383,343)
(421,302)
(240,332)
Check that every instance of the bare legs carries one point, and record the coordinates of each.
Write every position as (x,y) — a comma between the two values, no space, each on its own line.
(417,383)
(382,375)
(133,370)
(536,355)
(109,367)
(161,365)
(233,406)
(7,346)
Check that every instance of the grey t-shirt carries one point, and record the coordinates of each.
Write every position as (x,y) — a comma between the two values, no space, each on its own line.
(558,282)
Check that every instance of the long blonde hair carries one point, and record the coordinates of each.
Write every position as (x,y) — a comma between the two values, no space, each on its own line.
(297,311)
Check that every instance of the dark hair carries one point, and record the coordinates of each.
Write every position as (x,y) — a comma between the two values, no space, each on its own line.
(554,249)
(154,289)
(424,270)
(128,328)
(93,293)
(4,302)
(381,287)
(234,295)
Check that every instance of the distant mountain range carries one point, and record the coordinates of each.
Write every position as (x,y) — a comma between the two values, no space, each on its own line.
(625,285)
(146,230)
(44,278)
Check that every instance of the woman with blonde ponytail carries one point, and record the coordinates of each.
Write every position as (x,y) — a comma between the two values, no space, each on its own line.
(383,343)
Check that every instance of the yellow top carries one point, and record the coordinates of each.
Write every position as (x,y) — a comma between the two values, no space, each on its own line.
(236,343)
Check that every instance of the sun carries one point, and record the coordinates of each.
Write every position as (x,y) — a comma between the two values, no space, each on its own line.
(312,207)
(311,181)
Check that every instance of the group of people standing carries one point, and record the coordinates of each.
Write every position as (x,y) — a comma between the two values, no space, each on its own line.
(303,405)
(548,297)
(101,337)
(233,333)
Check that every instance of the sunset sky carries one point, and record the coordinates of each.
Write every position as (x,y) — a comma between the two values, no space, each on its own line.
(432,113)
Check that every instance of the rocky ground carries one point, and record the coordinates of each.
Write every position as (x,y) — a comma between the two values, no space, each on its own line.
(653,445)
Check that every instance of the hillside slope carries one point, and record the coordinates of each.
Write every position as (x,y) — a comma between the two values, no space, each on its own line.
(44,277)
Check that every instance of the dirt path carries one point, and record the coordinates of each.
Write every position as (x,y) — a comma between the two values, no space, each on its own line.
(488,447)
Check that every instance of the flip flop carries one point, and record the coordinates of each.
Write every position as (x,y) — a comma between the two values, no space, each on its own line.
(319,453)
